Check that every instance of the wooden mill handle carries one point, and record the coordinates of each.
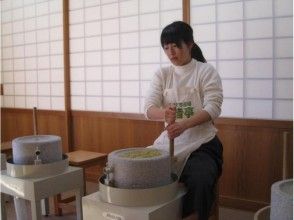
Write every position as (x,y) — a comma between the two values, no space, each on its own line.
(35,120)
(171,149)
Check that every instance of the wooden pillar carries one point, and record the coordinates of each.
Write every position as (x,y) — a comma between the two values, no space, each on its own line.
(66,60)
(186,11)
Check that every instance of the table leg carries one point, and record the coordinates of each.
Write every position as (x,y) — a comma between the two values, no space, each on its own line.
(79,193)
(84,178)
(57,209)
(3,208)
(36,210)
(45,206)
(21,206)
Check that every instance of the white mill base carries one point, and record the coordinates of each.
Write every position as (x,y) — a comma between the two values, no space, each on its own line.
(36,189)
(94,208)
(22,206)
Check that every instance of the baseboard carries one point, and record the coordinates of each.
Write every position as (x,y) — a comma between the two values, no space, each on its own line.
(243,204)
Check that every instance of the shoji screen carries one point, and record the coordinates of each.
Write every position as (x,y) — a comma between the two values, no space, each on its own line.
(115,49)
(250,43)
(32,54)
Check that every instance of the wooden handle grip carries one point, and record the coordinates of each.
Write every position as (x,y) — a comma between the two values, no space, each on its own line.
(171,148)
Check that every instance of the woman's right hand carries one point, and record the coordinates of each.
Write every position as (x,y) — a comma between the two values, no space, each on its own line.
(170,114)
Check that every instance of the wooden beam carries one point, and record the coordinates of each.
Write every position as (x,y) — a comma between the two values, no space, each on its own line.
(186,11)
(66,60)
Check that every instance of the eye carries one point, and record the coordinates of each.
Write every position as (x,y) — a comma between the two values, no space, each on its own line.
(165,47)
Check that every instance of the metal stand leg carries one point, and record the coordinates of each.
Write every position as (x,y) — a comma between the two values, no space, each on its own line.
(79,193)
(21,208)
(36,210)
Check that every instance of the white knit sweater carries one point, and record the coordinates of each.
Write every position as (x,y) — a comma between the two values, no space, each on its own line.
(201,76)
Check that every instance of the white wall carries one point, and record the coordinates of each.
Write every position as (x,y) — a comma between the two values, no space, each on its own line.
(32,54)
(115,49)
(1,78)
(250,43)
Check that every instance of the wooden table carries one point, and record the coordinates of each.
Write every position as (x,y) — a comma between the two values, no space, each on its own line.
(85,159)
(6,147)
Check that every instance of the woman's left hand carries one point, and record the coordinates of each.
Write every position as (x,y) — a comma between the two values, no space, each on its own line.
(175,129)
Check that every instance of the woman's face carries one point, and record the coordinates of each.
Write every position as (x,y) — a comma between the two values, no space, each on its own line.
(179,56)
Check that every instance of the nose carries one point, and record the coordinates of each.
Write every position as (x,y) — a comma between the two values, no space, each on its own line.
(171,51)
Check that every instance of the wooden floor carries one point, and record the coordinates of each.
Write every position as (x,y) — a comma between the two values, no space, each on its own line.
(69,210)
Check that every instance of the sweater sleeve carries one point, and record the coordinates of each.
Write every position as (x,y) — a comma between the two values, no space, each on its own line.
(154,96)
(212,92)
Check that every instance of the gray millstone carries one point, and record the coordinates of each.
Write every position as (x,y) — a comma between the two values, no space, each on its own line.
(141,173)
(24,149)
(282,200)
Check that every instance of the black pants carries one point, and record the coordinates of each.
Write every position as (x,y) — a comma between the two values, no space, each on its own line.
(200,174)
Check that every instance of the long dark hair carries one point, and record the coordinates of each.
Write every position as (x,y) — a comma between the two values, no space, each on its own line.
(178,32)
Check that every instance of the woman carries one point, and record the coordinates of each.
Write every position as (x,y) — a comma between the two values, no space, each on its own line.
(187,95)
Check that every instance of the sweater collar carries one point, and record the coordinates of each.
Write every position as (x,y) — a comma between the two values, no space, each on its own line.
(187,68)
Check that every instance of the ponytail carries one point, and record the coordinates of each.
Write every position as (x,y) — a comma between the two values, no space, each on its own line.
(197,54)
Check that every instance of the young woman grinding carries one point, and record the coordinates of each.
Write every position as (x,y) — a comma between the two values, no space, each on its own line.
(188,96)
